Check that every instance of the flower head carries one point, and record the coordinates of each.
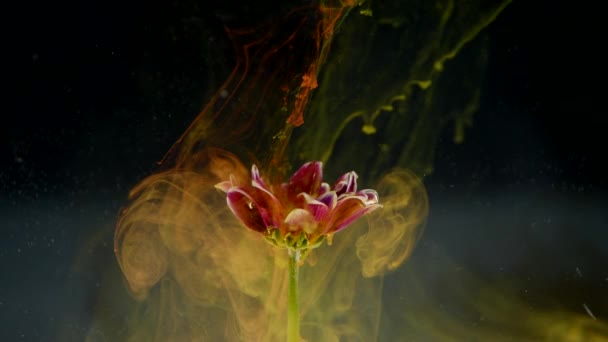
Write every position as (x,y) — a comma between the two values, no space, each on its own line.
(300,213)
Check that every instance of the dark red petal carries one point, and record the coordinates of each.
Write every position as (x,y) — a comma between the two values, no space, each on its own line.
(270,207)
(264,197)
(317,208)
(245,209)
(307,179)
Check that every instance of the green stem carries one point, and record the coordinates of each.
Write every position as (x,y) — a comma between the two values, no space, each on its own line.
(293,316)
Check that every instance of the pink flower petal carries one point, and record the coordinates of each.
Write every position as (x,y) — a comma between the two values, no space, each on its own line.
(246,210)
(324,188)
(354,217)
(346,184)
(370,195)
(317,208)
(300,220)
(307,179)
(256,179)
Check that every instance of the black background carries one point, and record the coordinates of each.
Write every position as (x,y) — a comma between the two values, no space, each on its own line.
(96,93)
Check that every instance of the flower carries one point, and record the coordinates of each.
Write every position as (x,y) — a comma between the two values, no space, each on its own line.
(300,213)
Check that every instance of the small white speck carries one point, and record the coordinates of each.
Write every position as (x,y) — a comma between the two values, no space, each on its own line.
(578,271)
(589,311)
(224,93)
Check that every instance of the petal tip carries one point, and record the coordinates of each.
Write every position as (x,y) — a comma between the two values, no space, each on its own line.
(224,186)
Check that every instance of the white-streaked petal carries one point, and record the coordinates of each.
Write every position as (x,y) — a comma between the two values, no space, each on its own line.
(346,184)
(370,195)
(329,198)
